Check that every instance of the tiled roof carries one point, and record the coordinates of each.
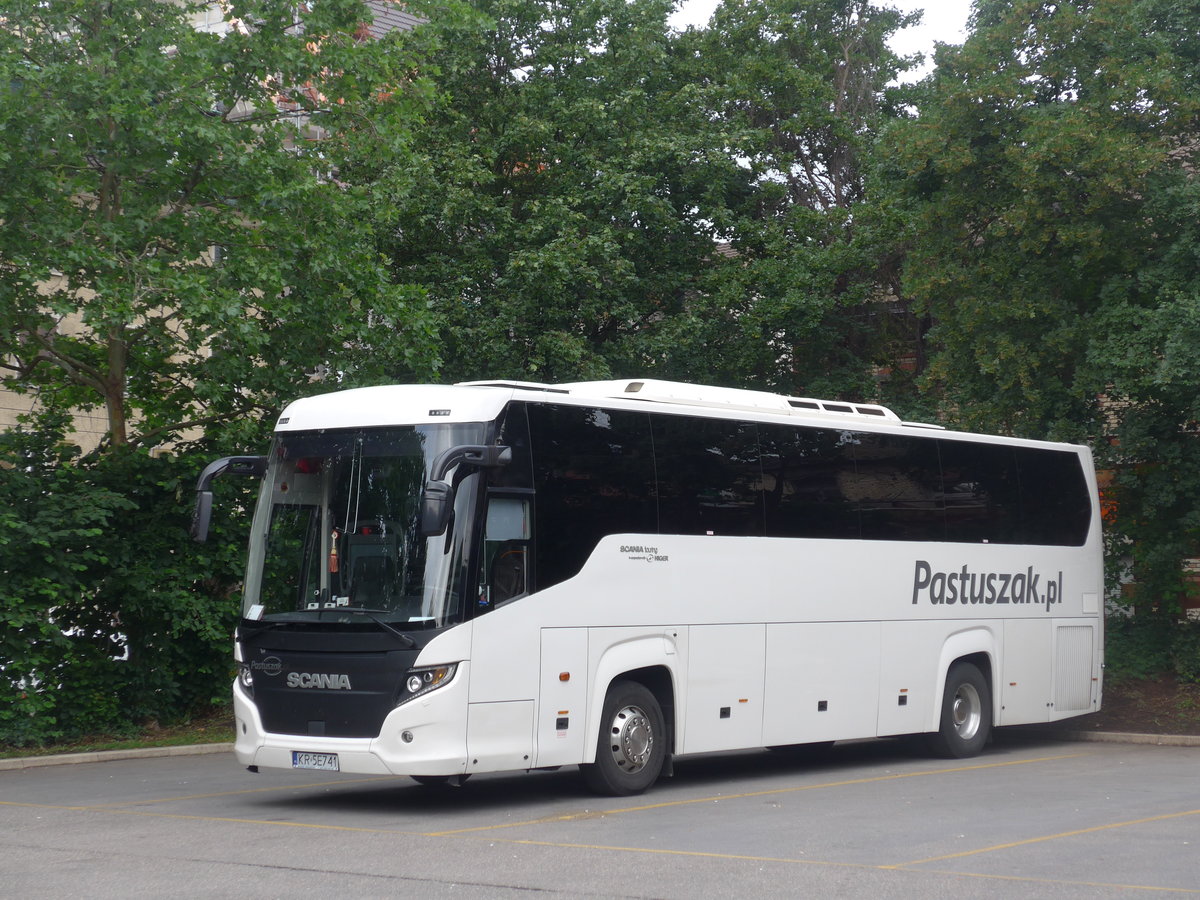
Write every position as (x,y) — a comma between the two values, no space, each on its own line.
(390,15)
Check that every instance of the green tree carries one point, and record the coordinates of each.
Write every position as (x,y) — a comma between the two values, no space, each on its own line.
(801,89)
(585,166)
(1051,175)
(107,616)
(558,211)
(1028,162)
(177,248)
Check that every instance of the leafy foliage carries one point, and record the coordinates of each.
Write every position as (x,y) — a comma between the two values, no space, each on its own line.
(1051,174)
(584,165)
(1144,647)
(555,209)
(801,91)
(199,227)
(178,250)
(179,223)
(1026,162)
(109,615)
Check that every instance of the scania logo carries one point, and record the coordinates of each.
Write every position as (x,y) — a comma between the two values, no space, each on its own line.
(269,666)
(318,680)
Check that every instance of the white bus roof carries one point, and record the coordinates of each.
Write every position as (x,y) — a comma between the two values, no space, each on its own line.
(478,401)
(703,396)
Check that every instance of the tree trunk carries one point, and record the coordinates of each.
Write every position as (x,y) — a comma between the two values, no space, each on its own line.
(114,388)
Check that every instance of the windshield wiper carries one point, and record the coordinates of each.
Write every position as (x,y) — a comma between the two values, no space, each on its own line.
(373,615)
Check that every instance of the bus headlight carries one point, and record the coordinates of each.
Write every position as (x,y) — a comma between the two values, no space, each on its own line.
(422,680)
(246,677)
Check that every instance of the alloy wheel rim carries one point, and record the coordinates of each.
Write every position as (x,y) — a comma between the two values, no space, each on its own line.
(631,739)
(966,711)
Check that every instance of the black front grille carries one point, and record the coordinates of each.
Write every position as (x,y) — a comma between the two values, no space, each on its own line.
(326,694)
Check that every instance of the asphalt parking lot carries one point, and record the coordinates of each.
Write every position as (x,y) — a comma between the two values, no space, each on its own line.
(1033,817)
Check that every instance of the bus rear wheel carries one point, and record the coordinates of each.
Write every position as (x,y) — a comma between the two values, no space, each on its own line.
(631,747)
(966,720)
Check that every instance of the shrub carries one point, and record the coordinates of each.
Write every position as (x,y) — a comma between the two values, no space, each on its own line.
(109,614)
(1137,647)
(1185,652)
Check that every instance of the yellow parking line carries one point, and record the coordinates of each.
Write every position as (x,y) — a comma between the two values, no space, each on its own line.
(569,817)
(662,851)
(1029,879)
(1047,837)
(591,814)
(707,854)
(233,819)
(115,811)
(110,810)
(261,790)
(27,805)
(258,790)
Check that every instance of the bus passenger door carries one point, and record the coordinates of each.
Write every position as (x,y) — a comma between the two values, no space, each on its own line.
(562,697)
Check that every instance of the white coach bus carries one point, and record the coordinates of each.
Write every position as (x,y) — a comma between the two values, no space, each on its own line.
(446,580)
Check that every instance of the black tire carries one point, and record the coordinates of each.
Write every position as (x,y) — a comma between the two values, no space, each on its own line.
(966,721)
(632,744)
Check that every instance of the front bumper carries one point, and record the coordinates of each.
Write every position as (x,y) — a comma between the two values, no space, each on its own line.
(435,726)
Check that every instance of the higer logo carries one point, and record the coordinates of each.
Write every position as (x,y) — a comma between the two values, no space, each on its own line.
(327,682)
(968,587)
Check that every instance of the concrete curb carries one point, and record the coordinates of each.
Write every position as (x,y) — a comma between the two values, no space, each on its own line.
(1123,737)
(95,756)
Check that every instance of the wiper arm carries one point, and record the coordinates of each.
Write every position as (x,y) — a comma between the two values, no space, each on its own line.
(372,615)
(266,624)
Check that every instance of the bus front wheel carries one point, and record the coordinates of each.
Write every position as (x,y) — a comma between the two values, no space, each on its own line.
(966,718)
(631,747)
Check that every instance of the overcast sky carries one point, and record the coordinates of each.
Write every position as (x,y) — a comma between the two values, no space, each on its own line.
(944,21)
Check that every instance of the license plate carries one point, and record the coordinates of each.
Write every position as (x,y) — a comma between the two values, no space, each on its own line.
(326,762)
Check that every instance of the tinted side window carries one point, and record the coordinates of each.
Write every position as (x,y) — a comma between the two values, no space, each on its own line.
(897,484)
(709,478)
(1055,505)
(514,432)
(982,492)
(594,476)
(807,474)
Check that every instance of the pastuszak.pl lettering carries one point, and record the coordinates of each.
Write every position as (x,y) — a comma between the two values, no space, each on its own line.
(969,587)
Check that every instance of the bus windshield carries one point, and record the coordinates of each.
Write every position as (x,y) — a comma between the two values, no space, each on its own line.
(336,535)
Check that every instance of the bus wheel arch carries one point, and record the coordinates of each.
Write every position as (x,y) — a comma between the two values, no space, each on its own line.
(966,711)
(658,680)
(641,661)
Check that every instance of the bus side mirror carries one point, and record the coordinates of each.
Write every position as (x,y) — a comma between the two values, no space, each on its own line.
(436,505)
(438,500)
(238,465)
(201,516)
(484,456)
